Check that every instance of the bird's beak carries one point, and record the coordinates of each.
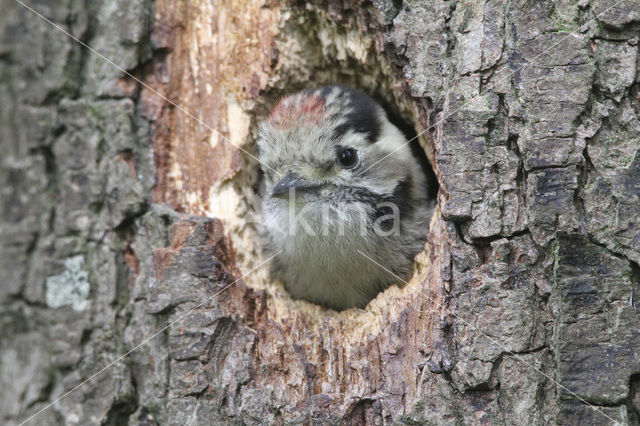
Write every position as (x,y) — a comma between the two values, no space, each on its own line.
(291,180)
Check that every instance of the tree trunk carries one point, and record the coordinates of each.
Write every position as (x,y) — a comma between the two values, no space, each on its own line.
(130,263)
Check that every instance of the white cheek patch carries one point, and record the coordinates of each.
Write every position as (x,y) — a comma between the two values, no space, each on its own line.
(354,140)
(393,142)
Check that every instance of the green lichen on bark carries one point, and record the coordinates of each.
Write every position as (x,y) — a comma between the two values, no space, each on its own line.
(71,287)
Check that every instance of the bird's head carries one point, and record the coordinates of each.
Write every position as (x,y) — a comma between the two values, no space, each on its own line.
(332,144)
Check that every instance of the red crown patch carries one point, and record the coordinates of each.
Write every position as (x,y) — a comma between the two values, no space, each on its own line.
(296,110)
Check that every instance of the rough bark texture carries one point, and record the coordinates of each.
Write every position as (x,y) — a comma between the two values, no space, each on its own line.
(121,213)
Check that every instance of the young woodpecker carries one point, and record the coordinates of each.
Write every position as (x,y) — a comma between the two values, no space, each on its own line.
(343,192)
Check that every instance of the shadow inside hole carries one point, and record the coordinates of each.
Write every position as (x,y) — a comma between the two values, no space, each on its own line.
(409,131)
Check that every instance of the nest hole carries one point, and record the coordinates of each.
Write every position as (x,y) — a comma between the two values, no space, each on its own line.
(316,52)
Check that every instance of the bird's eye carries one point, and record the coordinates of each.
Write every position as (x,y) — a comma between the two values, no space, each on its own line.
(347,158)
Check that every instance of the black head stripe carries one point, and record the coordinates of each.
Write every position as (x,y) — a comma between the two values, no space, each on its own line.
(363,116)
(340,130)
(401,196)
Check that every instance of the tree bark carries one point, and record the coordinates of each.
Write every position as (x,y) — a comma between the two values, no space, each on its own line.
(130,258)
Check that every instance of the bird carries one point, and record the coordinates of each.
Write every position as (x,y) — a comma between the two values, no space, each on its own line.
(346,203)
